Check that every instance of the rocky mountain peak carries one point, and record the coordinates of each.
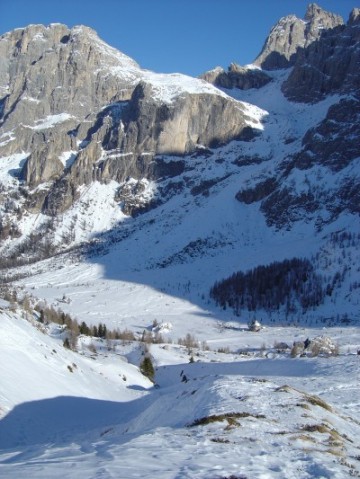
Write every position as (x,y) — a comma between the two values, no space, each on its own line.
(354,18)
(291,34)
(317,20)
(281,46)
(315,13)
(329,62)
(84,71)
(36,38)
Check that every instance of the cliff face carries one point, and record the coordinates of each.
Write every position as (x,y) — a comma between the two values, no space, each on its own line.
(80,110)
(132,133)
(330,64)
(50,70)
(53,81)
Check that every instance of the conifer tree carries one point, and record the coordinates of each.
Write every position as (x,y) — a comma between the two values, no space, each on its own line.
(84,329)
(147,368)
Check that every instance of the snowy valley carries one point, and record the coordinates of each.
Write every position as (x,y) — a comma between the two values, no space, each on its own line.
(146,228)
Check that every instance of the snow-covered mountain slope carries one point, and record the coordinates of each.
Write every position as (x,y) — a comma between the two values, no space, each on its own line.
(225,415)
(32,352)
(273,194)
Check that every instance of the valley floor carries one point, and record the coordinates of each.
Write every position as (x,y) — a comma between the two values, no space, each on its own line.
(247,412)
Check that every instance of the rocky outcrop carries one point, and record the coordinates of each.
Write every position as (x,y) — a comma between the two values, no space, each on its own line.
(331,143)
(323,51)
(354,18)
(259,192)
(291,35)
(283,43)
(61,197)
(236,76)
(328,65)
(319,182)
(134,199)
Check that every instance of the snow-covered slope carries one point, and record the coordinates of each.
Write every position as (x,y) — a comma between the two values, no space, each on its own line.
(225,415)
(35,366)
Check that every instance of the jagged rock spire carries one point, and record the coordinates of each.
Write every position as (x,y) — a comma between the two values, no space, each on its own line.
(330,62)
(354,18)
(291,34)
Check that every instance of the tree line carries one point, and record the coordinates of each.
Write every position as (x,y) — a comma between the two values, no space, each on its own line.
(288,284)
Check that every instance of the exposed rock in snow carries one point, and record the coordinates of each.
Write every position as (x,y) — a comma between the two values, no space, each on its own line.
(236,76)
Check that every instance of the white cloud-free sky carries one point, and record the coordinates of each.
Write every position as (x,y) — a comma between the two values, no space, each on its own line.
(186,36)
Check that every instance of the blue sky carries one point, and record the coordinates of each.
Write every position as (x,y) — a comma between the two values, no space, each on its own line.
(187,36)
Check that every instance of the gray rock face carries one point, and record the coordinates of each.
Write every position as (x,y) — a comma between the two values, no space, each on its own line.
(239,77)
(71,69)
(52,80)
(291,35)
(178,128)
(64,93)
(149,128)
(283,43)
(126,145)
(328,65)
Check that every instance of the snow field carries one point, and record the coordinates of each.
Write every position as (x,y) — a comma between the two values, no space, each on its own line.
(221,415)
